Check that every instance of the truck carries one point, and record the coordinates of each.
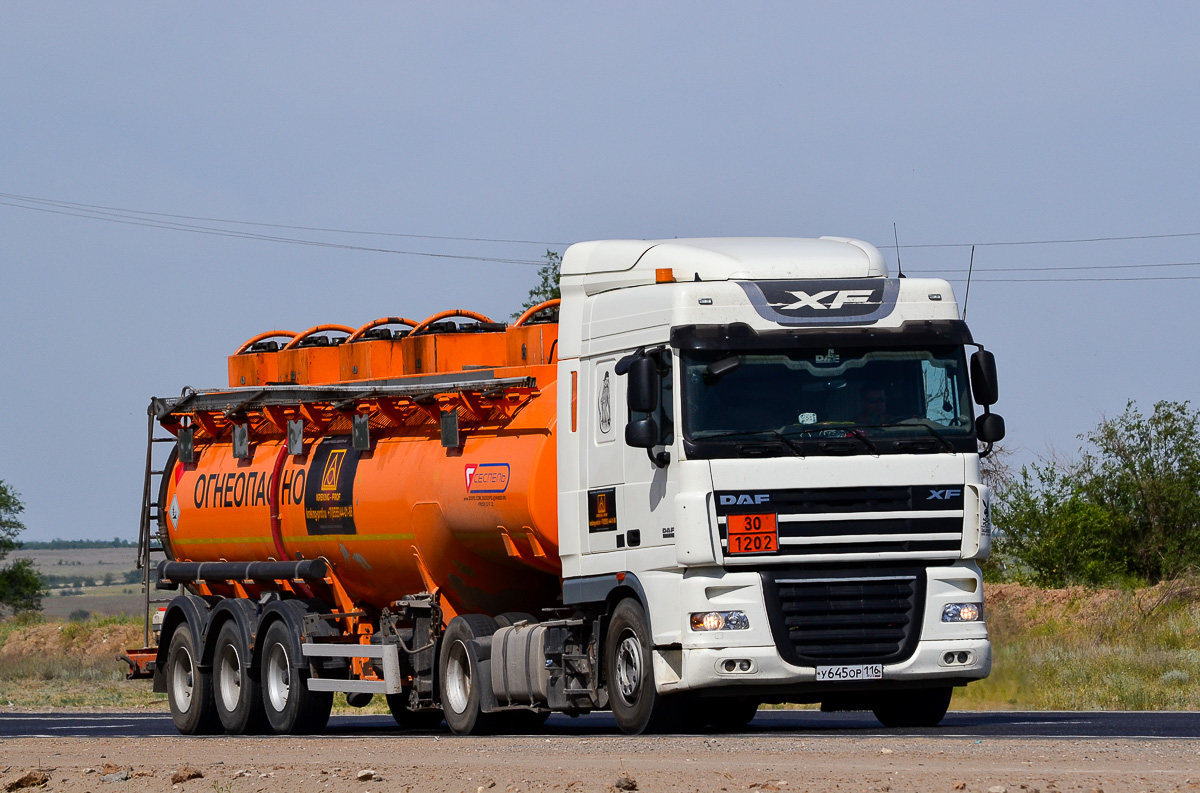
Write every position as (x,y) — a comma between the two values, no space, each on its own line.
(716,473)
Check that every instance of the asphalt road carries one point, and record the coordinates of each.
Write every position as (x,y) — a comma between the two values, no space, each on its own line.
(778,723)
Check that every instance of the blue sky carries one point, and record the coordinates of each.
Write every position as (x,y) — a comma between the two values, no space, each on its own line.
(555,122)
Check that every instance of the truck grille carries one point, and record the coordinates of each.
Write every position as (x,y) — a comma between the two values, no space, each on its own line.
(818,618)
(822,524)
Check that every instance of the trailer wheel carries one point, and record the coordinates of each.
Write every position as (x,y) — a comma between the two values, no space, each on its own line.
(629,673)
(291,708)
(412,719)
(189,690)
(236,689)
(460,676)
(920,707)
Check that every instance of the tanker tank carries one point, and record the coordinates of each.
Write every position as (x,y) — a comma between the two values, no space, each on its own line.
(475,522)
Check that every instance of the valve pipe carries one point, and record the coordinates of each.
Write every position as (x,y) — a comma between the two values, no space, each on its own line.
(270,334)
(375,323)
(316,329)
(539,307)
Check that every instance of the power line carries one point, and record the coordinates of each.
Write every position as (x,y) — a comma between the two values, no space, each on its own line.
(1069,267)
(218,232)
(136,212)
(1044,242)
(1079,280)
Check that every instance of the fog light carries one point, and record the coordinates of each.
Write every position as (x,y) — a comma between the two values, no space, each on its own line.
(730,666)
(948,658)
(962,612)
(720,621)
(962,658)
(744,666)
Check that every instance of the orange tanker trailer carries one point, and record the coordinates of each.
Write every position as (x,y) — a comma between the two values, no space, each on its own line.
(412,461)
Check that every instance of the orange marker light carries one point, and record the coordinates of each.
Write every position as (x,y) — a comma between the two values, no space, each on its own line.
(664,275)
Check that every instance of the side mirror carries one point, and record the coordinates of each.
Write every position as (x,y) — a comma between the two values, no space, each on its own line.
(641,434)
(983,378)
(989,428)
(643,385)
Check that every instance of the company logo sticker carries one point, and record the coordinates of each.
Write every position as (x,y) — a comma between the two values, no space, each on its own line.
(943,495)
(486,477)
(333,469)
(829,302)
(602,510)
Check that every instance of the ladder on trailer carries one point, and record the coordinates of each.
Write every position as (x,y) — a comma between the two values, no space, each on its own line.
(149,543)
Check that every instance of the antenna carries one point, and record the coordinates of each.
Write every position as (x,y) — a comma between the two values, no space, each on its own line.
(970,269)
(896,236)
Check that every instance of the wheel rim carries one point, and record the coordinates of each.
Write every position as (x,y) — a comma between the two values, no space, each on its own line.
(458,678)
(629,667)
(279,677)
(229,677)
(183,677)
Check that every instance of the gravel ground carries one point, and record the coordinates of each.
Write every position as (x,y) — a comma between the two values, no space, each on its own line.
(583,764)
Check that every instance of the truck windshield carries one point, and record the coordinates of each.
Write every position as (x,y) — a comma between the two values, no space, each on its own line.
(843,400)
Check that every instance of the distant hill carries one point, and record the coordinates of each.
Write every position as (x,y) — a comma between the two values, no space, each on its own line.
(61,545)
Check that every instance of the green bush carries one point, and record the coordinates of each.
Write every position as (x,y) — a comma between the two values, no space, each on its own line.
(1127,512)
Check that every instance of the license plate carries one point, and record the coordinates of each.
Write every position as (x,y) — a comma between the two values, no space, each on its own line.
(752,534)
(862,672)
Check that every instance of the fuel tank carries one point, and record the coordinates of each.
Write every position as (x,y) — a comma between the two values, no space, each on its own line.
(477,522)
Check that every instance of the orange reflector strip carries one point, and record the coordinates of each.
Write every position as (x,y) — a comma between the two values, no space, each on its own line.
(664,275)
(574,399)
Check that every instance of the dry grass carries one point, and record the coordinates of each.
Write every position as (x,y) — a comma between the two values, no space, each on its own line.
(1066,649)
(1080,649)
(71,664)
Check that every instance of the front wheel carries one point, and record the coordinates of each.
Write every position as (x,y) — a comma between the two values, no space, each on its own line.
(460,675)
(189,690)
(291,708)
(629,674)
(921,707)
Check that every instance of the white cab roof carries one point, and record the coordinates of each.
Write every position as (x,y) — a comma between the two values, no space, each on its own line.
(728,258)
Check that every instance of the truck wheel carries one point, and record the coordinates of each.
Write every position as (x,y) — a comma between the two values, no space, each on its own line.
(510,618)
(922,707)
(459,675)
(629,672)
(729,715)
(412,719)
(291,708)
(235,686)
(189,690)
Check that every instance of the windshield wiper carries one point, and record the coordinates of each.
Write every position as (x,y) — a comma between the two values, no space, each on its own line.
(793,445)
(855,432)
(945,443)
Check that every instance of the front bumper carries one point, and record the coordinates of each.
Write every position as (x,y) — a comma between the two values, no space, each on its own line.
(704,668)
(945,654)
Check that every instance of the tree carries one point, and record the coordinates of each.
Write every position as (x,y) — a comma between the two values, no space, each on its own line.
(1050,533)
(1145,473)
(547,287)
(1127,511)
(20,585)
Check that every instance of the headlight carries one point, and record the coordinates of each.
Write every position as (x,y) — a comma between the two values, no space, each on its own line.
(720,621)
(962,612)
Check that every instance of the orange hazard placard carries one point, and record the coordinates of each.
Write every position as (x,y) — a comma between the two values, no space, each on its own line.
(753,534)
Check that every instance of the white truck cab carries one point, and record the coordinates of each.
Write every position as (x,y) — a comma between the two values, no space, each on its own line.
(773,444)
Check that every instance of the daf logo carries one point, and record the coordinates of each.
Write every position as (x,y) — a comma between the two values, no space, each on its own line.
(943,495)
(817,301)
(757,498)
